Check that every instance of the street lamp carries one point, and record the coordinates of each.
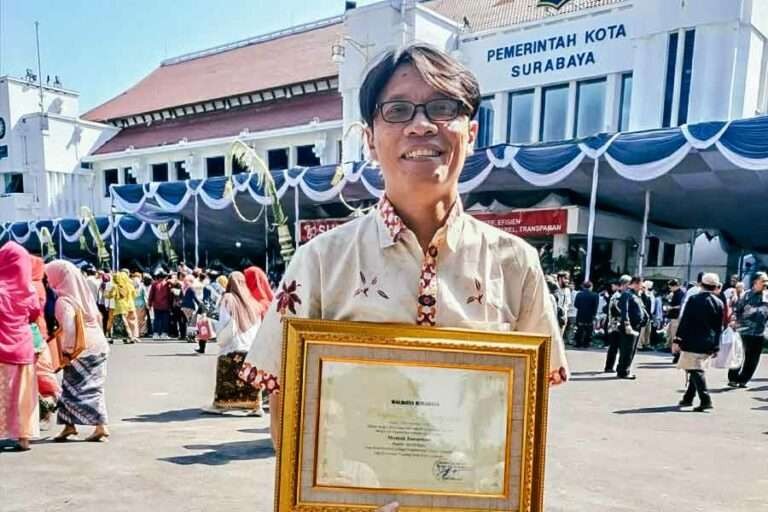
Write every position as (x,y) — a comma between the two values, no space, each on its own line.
(339,49)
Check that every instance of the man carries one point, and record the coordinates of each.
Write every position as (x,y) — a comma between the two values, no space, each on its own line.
(698,340)
(646,295)
(160,301)
(633,318)
(613,324)
(751,316)
(673,313)
(586,304)
(563,298)
(418,252)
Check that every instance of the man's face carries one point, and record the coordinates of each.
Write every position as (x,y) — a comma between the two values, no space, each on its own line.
(420,157)
(635,286)
(759,284)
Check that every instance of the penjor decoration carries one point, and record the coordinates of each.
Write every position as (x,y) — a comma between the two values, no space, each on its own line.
(102,254)
(249,159)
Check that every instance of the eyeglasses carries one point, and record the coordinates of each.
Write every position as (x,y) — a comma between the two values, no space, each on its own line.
(401,111)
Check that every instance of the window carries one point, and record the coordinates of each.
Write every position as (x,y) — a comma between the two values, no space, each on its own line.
(668,258)
(128,178)
(181,170)
(653,252)
(554,111)
(520,117)
(590,107)
(110,178)
(277,159)
(678,80)
(13,183)
(685,80)
(237,167)
(305,156)
(214,166)
(159,172)
(485,120)
(625,101)
(669,86)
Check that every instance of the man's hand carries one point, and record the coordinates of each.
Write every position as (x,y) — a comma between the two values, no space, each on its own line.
(392,507)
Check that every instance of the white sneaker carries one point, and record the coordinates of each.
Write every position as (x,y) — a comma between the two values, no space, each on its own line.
(164,336)
(155,336)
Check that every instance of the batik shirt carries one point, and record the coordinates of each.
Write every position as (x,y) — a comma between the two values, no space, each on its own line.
(373,269)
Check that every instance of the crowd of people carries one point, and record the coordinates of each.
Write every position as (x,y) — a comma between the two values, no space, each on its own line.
(628,315)
(57,318)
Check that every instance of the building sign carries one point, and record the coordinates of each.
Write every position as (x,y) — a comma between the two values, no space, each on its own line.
(560,52)
(309,229)
(523,223)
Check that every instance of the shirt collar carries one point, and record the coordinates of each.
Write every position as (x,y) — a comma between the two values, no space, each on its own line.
(392,227)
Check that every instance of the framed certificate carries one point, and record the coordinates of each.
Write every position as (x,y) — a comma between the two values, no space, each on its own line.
(436,419)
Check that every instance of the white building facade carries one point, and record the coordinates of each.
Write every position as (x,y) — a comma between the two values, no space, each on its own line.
(41,150)
(602,66)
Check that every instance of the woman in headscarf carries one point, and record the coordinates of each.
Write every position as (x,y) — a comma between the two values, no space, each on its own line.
(239,320)
(48,385)
(124,294)
(19,306)
(82,400)
(258,284)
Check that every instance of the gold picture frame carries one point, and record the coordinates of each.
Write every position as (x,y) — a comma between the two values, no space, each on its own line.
(319,356)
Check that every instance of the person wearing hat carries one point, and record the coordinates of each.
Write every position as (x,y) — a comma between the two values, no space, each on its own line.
(698,339)
(613,322)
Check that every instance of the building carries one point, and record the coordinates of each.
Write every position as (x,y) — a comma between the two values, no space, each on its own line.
(42,146)
(278,92)
(593,66)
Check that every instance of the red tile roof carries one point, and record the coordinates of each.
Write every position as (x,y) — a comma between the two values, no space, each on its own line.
(489,14)
(277,62)
(277,114)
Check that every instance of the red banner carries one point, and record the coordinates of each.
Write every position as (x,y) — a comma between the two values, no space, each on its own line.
(521,223)
(526,223)
(309,229)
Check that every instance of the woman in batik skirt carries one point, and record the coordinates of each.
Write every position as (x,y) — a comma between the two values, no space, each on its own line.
(82,400)
(239,320)
(19,306)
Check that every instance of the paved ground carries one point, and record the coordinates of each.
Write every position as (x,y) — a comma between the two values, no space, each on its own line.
(613,445)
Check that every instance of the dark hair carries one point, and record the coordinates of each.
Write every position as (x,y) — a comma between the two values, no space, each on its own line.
(673,282)
(698,278)
(709,287)
(436,68)
(636,280)
(587,285)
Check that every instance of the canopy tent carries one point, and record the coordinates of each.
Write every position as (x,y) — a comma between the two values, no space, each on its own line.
(708,176)
(66,235)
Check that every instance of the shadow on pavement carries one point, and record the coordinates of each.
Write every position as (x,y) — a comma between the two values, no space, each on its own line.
(178,355)
(587,373)
(651,410)
(172,416)
(761,388)
(722,390)
(656,366)
(224,453)
(607,377)
(264,430)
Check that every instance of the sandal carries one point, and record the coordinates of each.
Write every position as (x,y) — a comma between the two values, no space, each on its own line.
(64,436)
(100,437)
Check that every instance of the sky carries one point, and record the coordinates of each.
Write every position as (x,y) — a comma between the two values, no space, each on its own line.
(102,47)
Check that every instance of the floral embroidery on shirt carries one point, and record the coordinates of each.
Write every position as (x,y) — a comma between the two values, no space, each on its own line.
(287,298)
(365,288)
(479,297)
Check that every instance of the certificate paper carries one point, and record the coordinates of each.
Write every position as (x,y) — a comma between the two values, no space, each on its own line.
(408,427)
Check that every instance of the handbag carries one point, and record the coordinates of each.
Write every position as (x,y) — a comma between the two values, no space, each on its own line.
(59,357)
